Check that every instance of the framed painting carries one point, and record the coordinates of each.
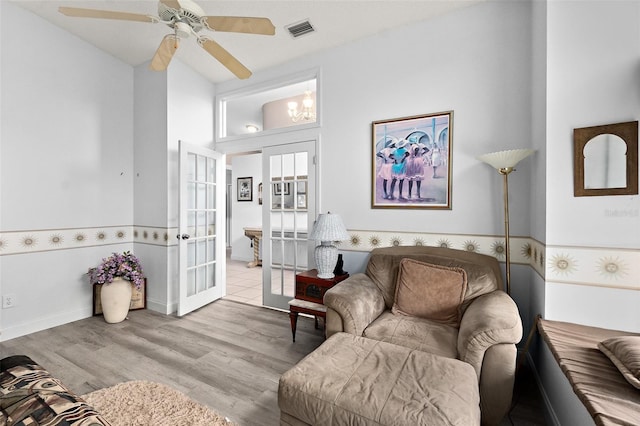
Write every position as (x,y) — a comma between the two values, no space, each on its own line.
(411,162)
(245,189)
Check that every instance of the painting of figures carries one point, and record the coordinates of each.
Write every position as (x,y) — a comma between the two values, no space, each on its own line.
(412,162)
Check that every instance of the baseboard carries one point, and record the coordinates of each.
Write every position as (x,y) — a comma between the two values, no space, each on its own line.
(550,414)
(45,323)
(163,308)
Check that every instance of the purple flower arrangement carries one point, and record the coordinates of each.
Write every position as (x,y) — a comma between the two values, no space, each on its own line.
(124,265)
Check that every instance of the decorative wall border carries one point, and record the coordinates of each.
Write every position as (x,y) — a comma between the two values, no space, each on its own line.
(34,241)
(522,249)
(590,266)
(593,266)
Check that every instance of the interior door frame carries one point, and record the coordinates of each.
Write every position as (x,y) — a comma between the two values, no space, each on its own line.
(258,142)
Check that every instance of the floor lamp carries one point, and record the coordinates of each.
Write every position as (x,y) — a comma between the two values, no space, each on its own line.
(504,162)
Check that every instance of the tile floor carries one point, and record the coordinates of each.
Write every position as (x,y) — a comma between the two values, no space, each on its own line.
(244,284)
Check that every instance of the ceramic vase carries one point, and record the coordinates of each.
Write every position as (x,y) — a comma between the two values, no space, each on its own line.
(115,298)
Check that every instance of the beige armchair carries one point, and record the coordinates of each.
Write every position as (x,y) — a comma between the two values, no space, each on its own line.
(485,336)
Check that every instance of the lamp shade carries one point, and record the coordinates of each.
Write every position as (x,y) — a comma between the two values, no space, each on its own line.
(326,229)
(329,227)
(505,159)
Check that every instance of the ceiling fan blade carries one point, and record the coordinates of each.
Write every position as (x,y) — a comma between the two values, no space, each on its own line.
(225,58)
(104,14)
(167,48)
(239,24)
(173,4)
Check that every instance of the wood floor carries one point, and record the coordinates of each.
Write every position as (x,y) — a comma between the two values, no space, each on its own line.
(227,355)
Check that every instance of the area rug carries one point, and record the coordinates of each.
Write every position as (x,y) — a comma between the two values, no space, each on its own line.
(142,403)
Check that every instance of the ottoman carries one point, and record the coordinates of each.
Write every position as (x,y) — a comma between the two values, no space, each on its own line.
(358,381)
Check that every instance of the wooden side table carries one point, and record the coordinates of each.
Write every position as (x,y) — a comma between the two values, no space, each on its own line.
(310,291)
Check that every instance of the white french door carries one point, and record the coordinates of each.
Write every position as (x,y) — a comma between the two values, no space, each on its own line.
(287,216)
(201,247)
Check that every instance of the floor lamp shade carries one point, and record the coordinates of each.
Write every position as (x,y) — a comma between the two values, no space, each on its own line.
(505,159)
(504,162)
(327,229)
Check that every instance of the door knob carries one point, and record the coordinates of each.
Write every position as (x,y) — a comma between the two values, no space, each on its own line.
(183,236)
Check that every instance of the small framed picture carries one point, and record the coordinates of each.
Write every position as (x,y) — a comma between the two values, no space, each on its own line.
(282,188)
(138,298)
(245,189)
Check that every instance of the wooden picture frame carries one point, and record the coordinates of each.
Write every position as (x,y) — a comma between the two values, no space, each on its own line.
(245,189)
(138,298)
(605,160)
(412,162)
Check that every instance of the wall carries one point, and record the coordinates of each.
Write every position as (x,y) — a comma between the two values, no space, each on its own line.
(170,106)
(480,70)
(593,243)
(592,268)
(150,183)
(66,195)
(245,213)
(190,106)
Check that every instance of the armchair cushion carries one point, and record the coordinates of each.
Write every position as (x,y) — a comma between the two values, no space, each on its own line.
(428,291)
(415,333)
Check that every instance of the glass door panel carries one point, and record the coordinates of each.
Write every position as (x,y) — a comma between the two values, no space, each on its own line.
(201,277)
(287,219)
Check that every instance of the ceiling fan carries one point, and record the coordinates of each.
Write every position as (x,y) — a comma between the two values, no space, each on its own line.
(185,17)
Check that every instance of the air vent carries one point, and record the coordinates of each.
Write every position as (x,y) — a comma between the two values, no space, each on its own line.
(300,29)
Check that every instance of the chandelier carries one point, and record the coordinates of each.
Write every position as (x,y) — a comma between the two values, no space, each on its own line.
(307,112)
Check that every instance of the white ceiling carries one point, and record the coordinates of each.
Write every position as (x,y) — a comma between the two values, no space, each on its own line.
(336,22)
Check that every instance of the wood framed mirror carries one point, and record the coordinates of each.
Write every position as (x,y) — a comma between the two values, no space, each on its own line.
(605,160)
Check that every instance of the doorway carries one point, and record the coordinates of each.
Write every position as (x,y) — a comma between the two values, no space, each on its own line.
(288,196)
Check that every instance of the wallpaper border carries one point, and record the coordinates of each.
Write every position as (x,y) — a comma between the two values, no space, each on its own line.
(590,266)
(34,241)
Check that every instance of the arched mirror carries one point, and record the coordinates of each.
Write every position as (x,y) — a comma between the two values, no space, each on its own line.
(606,160)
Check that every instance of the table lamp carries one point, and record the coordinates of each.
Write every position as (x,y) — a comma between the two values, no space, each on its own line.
(504,162)
(327,229)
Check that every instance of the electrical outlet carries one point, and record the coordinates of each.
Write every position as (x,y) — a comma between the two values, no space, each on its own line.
(8,301)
